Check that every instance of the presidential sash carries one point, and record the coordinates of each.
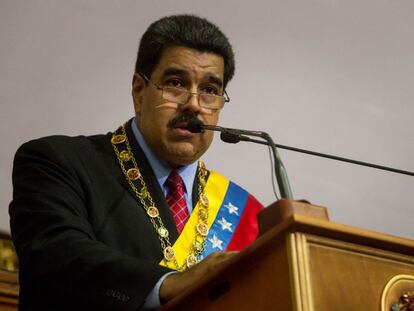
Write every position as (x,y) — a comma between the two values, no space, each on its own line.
(231,220)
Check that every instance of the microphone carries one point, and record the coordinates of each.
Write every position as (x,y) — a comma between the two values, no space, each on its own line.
(231,135)
(230,138)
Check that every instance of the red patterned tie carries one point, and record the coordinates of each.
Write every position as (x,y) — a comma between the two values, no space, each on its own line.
(176,199)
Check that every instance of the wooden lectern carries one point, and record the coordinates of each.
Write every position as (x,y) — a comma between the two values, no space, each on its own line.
(306,263)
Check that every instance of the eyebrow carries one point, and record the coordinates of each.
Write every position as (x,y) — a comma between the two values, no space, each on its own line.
(216,80)
(181,72)
(171,71)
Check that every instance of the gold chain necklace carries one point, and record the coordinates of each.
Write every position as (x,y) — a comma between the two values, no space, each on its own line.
(138,186)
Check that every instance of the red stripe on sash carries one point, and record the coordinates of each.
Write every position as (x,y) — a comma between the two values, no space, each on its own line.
(247,229)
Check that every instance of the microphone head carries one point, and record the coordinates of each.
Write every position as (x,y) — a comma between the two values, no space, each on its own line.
(195,125)
(230,138)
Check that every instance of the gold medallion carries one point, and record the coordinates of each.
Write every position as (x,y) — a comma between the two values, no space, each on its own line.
(118,139)
(133,174)
(202,213)
(152,211)
(163,232)
(125,155)
(191,261)
(169,253)
(204,200)
(202,229)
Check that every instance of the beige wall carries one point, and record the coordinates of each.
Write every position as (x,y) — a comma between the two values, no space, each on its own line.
(329,75)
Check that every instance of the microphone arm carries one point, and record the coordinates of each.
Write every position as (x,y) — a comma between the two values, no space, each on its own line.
(196,126)
(234,138)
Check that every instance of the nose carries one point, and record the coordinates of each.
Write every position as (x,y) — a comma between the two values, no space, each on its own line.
(193,104)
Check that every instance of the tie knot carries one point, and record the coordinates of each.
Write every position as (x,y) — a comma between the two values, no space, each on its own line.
(174,181)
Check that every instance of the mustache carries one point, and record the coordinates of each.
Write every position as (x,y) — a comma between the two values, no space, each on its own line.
(183,118)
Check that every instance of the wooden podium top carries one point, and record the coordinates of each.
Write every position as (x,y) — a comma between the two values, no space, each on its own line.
(286,215)
(347,233)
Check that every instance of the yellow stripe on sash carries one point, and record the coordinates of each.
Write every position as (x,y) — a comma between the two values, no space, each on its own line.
(215,189)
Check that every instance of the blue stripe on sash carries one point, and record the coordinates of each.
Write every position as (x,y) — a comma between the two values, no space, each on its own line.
(227,219)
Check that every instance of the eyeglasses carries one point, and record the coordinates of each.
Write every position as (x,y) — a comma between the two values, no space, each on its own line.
(179,95)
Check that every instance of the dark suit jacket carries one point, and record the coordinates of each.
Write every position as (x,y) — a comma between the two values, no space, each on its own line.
(84,242)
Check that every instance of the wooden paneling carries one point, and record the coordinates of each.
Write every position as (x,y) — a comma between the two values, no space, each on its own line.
(9,290)
(351,275)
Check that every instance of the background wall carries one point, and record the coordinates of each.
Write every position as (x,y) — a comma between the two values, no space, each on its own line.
(334,76)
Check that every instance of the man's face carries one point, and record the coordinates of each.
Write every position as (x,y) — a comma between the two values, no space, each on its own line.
(179,67)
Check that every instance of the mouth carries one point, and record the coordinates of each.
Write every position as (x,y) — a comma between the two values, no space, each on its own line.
(181,122)
(179,125)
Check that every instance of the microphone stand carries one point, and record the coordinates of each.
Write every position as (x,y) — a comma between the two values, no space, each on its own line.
(280,170)
(196,126)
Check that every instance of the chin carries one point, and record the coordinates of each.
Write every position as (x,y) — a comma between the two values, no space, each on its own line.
(185,158)
(182,158)
(177,162)
(184,152)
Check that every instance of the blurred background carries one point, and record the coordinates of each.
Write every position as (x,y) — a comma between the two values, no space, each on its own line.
(334,76)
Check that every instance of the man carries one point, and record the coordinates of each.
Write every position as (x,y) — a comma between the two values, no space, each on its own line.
(102,222)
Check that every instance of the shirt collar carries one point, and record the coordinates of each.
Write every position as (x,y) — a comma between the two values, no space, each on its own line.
(161,168)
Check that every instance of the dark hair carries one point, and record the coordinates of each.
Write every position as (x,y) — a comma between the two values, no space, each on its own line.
(183,30)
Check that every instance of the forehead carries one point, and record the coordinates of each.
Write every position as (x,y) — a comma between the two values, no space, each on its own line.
(189,62)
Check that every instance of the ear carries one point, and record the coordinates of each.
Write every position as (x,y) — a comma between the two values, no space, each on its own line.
(138,85)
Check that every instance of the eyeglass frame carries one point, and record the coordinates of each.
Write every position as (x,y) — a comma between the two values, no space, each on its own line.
(225,96)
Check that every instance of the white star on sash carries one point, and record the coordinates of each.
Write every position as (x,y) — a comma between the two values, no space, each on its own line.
(232,209)
(216,242)
(225,225)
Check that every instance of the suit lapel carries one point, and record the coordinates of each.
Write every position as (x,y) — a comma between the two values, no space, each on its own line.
(106,149)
